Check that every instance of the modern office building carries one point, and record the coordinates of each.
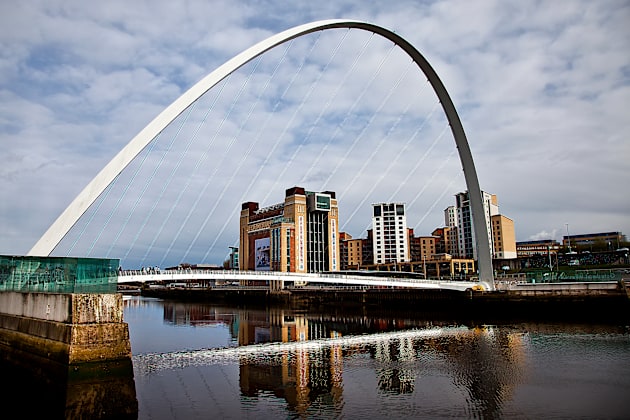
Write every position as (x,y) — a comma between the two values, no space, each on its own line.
(459,216)
(299,234)
(389,227)
(450,216)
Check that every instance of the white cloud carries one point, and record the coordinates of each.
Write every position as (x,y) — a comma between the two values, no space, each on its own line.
(542,89)
(543,234)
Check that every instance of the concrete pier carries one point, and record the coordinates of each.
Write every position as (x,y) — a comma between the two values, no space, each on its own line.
(65,328)
(70,351)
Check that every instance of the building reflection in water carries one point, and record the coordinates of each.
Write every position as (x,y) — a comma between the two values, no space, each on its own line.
(489,365)
(486,363)
(393,375)
(301,376)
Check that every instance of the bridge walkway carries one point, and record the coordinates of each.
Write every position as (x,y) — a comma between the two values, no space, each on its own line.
(187,275)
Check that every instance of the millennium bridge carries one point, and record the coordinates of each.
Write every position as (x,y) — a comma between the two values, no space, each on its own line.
(277,279)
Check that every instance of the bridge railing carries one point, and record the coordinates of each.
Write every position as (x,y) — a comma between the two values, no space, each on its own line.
(339,278)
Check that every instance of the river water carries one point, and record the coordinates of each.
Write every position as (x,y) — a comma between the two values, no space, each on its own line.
(202,361)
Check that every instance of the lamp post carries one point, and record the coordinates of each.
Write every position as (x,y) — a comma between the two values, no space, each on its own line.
(568,237)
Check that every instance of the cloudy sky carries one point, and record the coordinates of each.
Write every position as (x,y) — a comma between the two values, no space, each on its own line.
(542,89)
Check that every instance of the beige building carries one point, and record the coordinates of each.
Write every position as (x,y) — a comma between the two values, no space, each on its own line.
(355,253)
(503,237)
(424,247)
(298,235)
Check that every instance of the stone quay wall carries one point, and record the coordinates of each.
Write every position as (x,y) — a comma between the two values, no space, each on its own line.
(63,328)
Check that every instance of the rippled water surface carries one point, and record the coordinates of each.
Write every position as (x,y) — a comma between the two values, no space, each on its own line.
(203,361)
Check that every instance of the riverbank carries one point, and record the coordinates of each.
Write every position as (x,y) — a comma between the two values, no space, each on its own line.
(594,303)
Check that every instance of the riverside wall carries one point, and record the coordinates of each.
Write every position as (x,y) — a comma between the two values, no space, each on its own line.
(66,356)
(63,328)
(576,301)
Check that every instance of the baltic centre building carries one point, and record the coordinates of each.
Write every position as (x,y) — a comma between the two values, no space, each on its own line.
(297,235)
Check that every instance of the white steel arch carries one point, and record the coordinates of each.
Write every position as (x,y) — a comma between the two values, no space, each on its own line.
(95,188)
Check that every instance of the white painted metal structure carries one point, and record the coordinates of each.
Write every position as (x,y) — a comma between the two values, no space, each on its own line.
(95,188)
(311,278)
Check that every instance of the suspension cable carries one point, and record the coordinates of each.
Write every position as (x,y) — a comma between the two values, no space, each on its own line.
(401,151)
(415,167)
(120,198)
(354,105)
(444,191)
(295,112)
(243,160)
(194,136)
(101,200)
(146,185)
(193,208)
(209,179)
(392,162)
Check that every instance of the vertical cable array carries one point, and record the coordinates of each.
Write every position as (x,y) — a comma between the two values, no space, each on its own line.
(120,198)
(148,182)
(221,124)
(383,175)
(213,154)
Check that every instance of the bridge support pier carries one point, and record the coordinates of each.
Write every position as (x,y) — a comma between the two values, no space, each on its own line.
(65,328)
(71,351)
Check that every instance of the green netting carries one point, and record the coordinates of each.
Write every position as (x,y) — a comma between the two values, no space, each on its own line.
(58,274)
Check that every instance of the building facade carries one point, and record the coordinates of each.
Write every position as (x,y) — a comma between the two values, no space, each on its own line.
(423,248)
(355,253)
(389,227)
(233,261)
(298,235)
(500,229)
(503,237)
(611,240)
(536,248)
(446,240)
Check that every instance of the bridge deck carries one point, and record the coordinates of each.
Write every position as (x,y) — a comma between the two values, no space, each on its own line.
(328,278)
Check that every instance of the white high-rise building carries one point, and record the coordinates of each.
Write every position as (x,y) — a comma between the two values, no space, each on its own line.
(389,230)
(459,216)
(501,234)
(450,216)
(451,237)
